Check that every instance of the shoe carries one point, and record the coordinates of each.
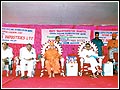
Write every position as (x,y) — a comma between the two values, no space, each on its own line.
(99,71)
(94,76)
(27,77)
(22,78)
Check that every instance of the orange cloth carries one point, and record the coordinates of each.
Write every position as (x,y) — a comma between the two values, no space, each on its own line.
(112,44)
(52,60)
(114,35)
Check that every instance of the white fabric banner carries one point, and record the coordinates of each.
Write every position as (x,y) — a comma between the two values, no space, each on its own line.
(68,36)
(18,35)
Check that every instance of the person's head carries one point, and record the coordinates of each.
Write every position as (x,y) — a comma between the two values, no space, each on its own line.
(87,45)
(114,36)
(51,44)
(96,35)
(29,47)
(57,39)
(4,45)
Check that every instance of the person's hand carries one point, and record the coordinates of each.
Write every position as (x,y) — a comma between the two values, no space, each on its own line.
(109,47)
(5,59)
(61,57)
(96,52)
(87,56)
(30,59)
(102,52)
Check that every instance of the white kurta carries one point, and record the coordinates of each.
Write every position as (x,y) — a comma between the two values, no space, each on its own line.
(25,54)
(90,59)
(8,53)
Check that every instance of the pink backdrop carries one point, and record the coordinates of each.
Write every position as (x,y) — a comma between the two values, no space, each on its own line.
(67,49)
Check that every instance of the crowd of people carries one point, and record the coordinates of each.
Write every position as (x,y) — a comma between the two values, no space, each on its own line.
(52,57)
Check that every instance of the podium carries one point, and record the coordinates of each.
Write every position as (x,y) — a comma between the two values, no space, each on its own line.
(107,69)
(71,69)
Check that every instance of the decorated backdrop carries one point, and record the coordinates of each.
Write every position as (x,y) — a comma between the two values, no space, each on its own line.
(18,35)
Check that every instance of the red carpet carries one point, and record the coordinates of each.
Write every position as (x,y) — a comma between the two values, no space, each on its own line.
(60,82)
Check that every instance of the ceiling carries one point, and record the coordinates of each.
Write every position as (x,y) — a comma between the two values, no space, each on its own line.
(74,13)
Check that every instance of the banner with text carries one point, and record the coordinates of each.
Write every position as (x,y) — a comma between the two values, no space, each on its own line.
(67,36)
(18,35)
(105,35)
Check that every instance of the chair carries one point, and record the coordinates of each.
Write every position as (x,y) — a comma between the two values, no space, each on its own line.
(8,68)
(44,49)
(85,65)
(18,67)
(17,64)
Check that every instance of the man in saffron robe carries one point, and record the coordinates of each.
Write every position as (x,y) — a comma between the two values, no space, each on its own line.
(112,46)
(52,58)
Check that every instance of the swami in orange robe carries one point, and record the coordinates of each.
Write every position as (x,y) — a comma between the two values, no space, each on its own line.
(52,58)
(112,46)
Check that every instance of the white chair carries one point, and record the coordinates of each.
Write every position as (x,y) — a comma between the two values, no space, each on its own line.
(46,47)
(17,63)
(83,61)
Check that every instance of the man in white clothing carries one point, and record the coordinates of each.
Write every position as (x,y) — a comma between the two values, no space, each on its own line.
(7,55)
(90,56)
(27,56)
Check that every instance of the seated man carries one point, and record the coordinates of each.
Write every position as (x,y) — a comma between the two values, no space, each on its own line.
(7,55)
(89,55)
(112,46)
(27,56)
(52,58)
